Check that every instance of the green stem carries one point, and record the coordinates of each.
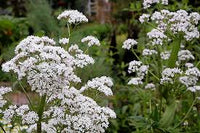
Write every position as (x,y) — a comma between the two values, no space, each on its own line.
(186,114)
(68,29)
(40,113)
(27,96)
(174,54)
(138,58)
(3,129)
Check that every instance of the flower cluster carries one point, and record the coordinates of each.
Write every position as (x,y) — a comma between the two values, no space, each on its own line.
(91,41)
(64,41)
(176,22)
(168,74)
(50,71)
(148,3)
(102,84)
(190,79)
(73,16)
(129,43)
(168,27)
(141,71)
(3,91)
(147,52)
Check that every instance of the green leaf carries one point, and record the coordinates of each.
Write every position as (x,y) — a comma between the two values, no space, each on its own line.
(168,115)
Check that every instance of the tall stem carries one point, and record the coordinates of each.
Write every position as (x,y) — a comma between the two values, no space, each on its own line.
(174,54)
(40,112)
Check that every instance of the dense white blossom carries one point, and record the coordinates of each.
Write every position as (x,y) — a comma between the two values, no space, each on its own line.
(64,40)
(147,52)
(50,71)
(168,74)
(30,118)
(150,86)
(135,81)
(22,109)
(144,18)
(140,69)
(3,91)
(91,40)
(184,55)
(9,113)
(73,16)
(165,55)
(148,3)
(102,84)
(82,60)
(134,66)
(194,88)
(190,79)
(178,22)
(127,44)
(189,65)
(156,36)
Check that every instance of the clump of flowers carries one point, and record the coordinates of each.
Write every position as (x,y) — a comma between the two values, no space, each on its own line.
(164,64)
(50,71)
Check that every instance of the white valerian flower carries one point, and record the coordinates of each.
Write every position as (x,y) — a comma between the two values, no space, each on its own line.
(184,55)
(165,55)
(147,52)
(82,60)
(50,71)
(168,74)
(64,40)
(189,65)
(74,49)
(22,109)
(193,72)
(144,18)
(135,81)
(164,2)
(178,22)
(194,88)
(129,43)
(150,86)
(142,71)
(30,118)
(156,37)
(134,66)
(91,41)
(102,84)
(188,80)
(192,75)
(148,3)
(73,16)
(9,113)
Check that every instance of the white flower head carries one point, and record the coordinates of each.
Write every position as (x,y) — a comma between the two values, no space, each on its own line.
(150,86)
(91,41)
(64,40)
(73,16)
(102,84)
(135,81)
(148,52)
(144,18)
(129,43)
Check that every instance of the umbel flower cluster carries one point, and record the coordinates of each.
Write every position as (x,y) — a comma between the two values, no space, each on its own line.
(50,71)
(164,67)
(166,47)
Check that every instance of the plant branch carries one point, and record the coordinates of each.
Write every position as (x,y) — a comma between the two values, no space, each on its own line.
(186,114)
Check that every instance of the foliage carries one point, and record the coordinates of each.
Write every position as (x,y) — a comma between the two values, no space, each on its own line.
(39,15)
